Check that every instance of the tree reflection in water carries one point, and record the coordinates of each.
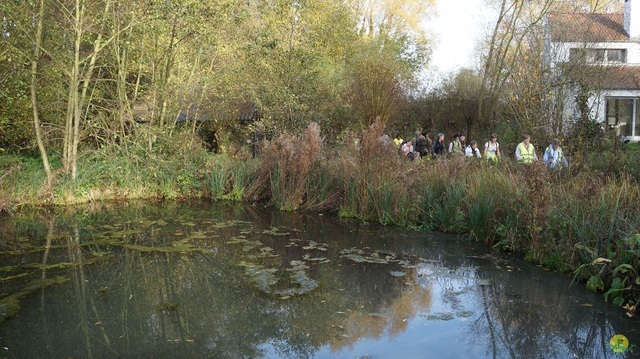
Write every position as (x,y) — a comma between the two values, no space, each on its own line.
(223,281)
(521,320)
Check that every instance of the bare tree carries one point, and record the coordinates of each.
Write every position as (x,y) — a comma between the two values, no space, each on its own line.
(34,98)
(516,19)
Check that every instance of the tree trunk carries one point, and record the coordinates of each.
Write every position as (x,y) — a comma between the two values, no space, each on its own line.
(167,74)
(78,86)
(74,135)
(34,99)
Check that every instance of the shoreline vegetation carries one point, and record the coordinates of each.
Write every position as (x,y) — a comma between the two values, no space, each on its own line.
(583,221)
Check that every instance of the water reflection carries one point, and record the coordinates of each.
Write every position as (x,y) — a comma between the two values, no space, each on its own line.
(222,281)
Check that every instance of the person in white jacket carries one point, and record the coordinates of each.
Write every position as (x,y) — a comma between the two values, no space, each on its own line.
(554,155)
(472,150)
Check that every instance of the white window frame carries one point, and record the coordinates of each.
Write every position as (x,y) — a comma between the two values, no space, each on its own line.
(635,116)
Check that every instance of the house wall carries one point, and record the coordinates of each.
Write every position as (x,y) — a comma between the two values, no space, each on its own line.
(632,18)
(597,105)
(559,52)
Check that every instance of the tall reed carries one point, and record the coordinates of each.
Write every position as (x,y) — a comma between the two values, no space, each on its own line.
(481,205)
(378,183)
(285,170)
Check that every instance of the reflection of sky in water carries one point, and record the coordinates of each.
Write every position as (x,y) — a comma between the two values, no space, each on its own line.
(358,291)
(454,323)
(435,331)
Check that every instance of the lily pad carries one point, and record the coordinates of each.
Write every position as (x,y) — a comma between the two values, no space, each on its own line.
(251,245)
(275,231)
(236,240)
(198,235)
(441,316)
(355,257)
(316,246)
(125,233)
(307,257)
(464,314)
(376,257)
(231,223)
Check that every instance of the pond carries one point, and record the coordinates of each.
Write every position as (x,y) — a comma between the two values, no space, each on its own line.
(211,280)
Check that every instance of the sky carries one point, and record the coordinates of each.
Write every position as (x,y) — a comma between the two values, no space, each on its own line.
(457,28)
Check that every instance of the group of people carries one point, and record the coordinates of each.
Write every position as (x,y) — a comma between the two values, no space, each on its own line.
(525,151)
(553,155)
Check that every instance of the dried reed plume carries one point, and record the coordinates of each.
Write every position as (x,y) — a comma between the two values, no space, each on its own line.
(286,166)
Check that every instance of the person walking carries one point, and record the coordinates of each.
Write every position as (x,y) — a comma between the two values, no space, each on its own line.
(525,151)
(492,149)
(553,155)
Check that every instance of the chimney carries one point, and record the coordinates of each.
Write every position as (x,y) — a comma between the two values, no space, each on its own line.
(632,19)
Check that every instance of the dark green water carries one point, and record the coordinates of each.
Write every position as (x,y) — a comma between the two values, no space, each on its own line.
(217,281)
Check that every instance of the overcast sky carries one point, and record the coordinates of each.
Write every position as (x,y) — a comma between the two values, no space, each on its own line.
(457,28)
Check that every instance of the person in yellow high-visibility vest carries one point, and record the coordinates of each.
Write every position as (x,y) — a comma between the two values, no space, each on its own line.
(398,141)
(525,152)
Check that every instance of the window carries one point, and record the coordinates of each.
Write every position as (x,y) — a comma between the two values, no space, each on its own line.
(598,55)
(616,55)
(576,55)
(623,114)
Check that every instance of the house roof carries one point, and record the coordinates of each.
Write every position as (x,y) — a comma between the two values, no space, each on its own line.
(581,27)
(608,77)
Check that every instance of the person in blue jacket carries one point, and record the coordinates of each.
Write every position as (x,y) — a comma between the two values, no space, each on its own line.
(553,155)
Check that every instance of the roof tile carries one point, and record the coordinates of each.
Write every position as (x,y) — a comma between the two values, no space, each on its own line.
(580,27)
(607,77)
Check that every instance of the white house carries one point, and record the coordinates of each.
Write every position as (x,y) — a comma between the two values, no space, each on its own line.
(600,54)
